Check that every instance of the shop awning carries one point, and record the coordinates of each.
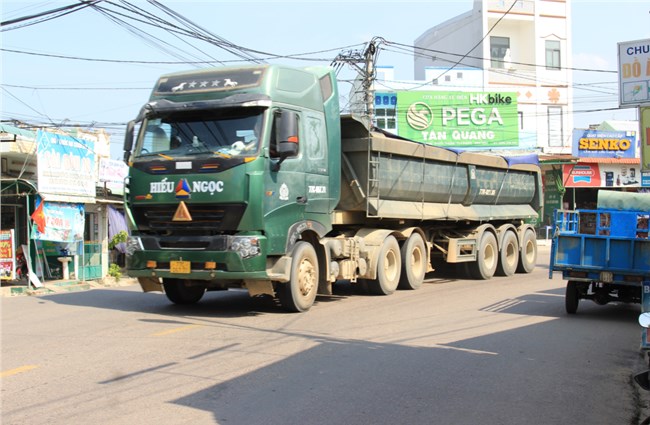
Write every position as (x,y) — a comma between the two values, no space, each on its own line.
(610,160)
(557,159)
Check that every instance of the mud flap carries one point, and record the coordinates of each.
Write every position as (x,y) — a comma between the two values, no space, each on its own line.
(150,284)
(259,287)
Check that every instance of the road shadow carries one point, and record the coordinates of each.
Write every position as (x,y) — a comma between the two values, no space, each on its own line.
(341,381)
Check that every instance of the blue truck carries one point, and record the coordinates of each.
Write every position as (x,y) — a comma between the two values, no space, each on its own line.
(603,253)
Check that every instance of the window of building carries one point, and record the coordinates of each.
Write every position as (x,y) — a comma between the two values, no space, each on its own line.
(385,118)
(553,54)
(385,112)
(447,77)
(555,130)
(459,75)
(498,48)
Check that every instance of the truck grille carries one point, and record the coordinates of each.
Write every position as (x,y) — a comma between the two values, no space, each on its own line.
(207,220)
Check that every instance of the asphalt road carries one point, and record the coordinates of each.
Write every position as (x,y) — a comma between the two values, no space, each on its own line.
(453,352)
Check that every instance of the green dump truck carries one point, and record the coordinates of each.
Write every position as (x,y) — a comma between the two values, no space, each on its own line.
(249,177)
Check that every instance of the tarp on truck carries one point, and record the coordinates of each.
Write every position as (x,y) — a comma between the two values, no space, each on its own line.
(624,201)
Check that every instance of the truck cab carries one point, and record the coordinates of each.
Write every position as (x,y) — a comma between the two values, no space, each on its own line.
(227,169)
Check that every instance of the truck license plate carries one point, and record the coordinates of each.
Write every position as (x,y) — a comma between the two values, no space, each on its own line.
(179,266)
(606,277)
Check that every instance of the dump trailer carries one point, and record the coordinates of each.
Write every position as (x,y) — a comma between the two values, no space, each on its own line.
(249,177)
(603,253)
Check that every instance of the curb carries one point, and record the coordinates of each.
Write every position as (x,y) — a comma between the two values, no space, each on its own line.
(62,287)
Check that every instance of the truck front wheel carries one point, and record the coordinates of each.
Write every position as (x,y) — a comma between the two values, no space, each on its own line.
(299,293)
(179,291)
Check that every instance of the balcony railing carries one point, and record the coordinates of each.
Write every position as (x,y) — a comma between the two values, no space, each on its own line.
(524,7)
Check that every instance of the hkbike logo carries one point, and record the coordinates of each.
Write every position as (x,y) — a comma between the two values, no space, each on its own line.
(419,116)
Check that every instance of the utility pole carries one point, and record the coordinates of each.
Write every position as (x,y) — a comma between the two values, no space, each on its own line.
(368,80)
(364,63)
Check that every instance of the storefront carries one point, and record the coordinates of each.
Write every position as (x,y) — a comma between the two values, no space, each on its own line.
(60,220)
(606,160)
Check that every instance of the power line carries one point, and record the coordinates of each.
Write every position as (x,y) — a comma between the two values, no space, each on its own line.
(67,9)
(15,86)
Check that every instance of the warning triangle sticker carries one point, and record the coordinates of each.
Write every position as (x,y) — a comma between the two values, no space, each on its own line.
(182,213)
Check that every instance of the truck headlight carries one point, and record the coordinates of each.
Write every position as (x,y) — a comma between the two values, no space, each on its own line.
(133,244)
(245,246)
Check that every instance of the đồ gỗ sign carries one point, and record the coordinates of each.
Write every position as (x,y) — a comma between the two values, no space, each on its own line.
(604,144)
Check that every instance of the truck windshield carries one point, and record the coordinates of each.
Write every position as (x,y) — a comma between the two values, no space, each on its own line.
(222,133)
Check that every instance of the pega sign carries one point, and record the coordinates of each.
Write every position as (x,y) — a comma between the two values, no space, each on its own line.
(459,119)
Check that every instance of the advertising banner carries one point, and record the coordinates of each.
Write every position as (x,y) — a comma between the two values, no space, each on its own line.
(552,194)
(604,144)
(58,222)
(601,175)
(7,255)
(459,119)
(634,73)
(66,167)
(644,117)
(645,179)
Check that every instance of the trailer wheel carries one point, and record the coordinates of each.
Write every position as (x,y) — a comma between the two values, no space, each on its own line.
(179,291)
(388,268)
(488,257)
(508,255)
(299,293)
(572,297)
(528,256)
(414,262)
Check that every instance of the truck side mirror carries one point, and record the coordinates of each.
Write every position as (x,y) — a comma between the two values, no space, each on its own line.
(128,140)
(286,136)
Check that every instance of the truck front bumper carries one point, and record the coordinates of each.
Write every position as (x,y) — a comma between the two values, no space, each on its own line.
(211,258)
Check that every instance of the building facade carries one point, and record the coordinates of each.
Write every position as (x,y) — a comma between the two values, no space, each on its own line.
(58,190)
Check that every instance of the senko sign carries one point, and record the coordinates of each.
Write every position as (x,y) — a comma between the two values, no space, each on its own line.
(604,144)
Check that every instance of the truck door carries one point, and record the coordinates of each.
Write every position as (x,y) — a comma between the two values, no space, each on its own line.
(314,145)
(285,192)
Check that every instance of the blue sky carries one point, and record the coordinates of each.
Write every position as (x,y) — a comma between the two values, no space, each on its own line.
(45,89)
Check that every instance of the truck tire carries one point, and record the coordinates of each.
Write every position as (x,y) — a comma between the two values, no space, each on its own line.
(179,292)
(299,293)
(414,262)
(389,266)
(528,256)
(508,255)
(571,297)
(488,257)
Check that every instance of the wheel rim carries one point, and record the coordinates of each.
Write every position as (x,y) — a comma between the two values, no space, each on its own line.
(391,266)
(490,257)
(306,277)
(529,252)
(511,254)
(416,259)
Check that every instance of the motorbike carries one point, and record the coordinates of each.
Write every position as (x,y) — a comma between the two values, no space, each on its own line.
(21,267)
(643,379)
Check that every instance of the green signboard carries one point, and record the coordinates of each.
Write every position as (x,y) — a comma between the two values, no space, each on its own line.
(553,194)
(459,119)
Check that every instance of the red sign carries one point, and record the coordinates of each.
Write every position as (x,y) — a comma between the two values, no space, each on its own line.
(581,175)
(7,255)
